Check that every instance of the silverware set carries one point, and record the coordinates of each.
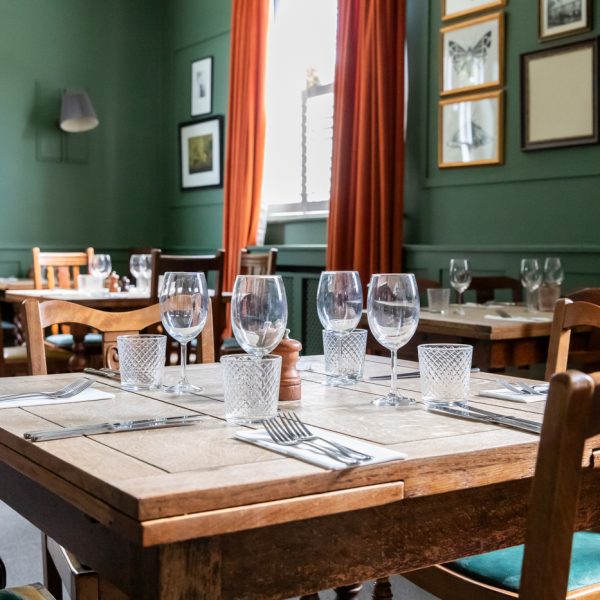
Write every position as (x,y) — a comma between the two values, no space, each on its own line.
(520,387)
(286,429)
(68,391)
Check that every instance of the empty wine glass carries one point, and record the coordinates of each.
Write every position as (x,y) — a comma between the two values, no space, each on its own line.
(554,272)
(100,265)
(183,311)
(393,312)
(531,278)
(258,313)
(339,300)
(460,279)
(140,268)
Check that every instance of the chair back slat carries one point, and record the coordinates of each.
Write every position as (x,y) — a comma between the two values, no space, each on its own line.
(258,263)
(485,287)
(62,268)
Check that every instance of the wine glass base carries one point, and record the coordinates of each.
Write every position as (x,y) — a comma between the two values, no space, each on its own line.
(182,387)
(459,311)
(394,399)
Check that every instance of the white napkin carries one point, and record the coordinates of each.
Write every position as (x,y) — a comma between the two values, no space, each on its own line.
(88,394)
(380,454)
(504,394)
(520,319)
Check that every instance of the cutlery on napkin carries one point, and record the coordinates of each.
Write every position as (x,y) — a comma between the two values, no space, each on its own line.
(504,394)
(33,400)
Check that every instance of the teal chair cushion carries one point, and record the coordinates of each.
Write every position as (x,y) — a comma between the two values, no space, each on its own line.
(502,568)
(65,340)
(230,344)
(6,326)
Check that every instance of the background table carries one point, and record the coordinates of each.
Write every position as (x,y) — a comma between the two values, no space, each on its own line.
(192,512)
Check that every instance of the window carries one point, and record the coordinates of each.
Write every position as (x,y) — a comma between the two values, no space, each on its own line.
(299,100)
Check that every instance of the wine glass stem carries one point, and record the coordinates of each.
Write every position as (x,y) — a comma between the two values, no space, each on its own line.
(394,371)
(183,361)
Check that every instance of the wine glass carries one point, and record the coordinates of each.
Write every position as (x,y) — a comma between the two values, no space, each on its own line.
(183,311)
(460,279)
(100,265)
(258,313)
(531,278)
(139,266)
(393,312)
(339,300)
(554,272)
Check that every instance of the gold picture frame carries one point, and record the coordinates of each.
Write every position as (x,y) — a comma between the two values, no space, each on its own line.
(559,96)
(564,18)
(472,55)
(471,130)
(453,9)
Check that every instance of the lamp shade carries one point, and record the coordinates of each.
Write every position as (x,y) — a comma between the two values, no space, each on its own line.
(77,113)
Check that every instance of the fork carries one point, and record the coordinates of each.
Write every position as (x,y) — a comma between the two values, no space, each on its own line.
(68,391)
(283,438)
(299,429)
(520,387)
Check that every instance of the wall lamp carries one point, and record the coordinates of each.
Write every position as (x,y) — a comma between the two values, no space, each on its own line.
(77,113)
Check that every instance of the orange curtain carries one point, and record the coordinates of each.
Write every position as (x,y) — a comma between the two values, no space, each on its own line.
(365,218)
(245,130)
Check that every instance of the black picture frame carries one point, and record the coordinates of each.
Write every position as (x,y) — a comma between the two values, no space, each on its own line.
(201,86)
(201,153)
(559,98)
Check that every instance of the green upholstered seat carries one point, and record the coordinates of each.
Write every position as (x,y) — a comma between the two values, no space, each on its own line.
(35,591)
(502,568)
(65,340)
(230,344)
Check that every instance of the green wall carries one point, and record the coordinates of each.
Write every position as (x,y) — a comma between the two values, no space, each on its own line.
(537,204)
(110,199)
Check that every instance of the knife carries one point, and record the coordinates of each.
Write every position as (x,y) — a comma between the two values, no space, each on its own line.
(103,373)
(155,423)
(406,375)
(466,414)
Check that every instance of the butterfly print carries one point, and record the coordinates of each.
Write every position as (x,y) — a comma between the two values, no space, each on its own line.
(477,138)
(463,59)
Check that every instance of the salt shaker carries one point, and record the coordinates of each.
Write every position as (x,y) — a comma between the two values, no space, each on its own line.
(290,383)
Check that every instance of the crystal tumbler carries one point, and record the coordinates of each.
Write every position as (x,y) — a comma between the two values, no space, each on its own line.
(344,356)
(141,360)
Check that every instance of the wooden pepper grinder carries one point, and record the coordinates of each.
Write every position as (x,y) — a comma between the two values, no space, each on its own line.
(113,282)
(290,384)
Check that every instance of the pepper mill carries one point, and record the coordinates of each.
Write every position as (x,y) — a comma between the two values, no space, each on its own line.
(290,383)
(113,282)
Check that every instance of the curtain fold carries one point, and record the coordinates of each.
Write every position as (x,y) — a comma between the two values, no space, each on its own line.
(366,209)
(245,130)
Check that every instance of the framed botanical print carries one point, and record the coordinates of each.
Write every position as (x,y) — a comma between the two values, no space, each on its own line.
(202,79)
(470,130)
(559,96)
(472,55)
(201,153)
(460,8)
(559,18)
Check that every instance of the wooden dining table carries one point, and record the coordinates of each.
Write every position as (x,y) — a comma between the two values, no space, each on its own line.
(192,512)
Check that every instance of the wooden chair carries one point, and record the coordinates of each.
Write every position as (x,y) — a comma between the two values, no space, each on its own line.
(207,264)
(256,263)
(423,284)
(62,268)
(485,287)
(569,316)
(34,591)
(59,564)
(554,558)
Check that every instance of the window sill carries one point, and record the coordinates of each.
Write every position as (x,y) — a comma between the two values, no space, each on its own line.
(296,218)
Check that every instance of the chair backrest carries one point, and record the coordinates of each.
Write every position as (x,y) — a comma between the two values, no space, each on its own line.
(485,287)
(423,284)
(39,315)
(258,263)
(568,315)
(585,295)
(572,415)
(62,268)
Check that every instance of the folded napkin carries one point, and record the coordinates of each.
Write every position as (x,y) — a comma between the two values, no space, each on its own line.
(504,394)
(520,319)
(89,394)
(261,438)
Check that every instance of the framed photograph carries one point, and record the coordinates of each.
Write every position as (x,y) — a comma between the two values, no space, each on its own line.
(202,86)
(451,9)
(201,153)
(559,96)
(470,130)
(472,55)
(559,18)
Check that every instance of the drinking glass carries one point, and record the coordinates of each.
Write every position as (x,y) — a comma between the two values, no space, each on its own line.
(531,278)
(339,300)
(460,279)
(258,313)
(554,272)
(139,265)
(183,311)
(393,312)
(100,265)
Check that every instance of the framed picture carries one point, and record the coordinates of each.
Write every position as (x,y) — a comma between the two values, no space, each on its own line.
(202,86)
(558,18)
(459,8)
(559,96)
(470,130)
(201,153)
(472,55)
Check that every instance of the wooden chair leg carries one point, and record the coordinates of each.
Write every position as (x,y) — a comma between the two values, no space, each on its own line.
(347,592)
(52,579)
(382,590)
